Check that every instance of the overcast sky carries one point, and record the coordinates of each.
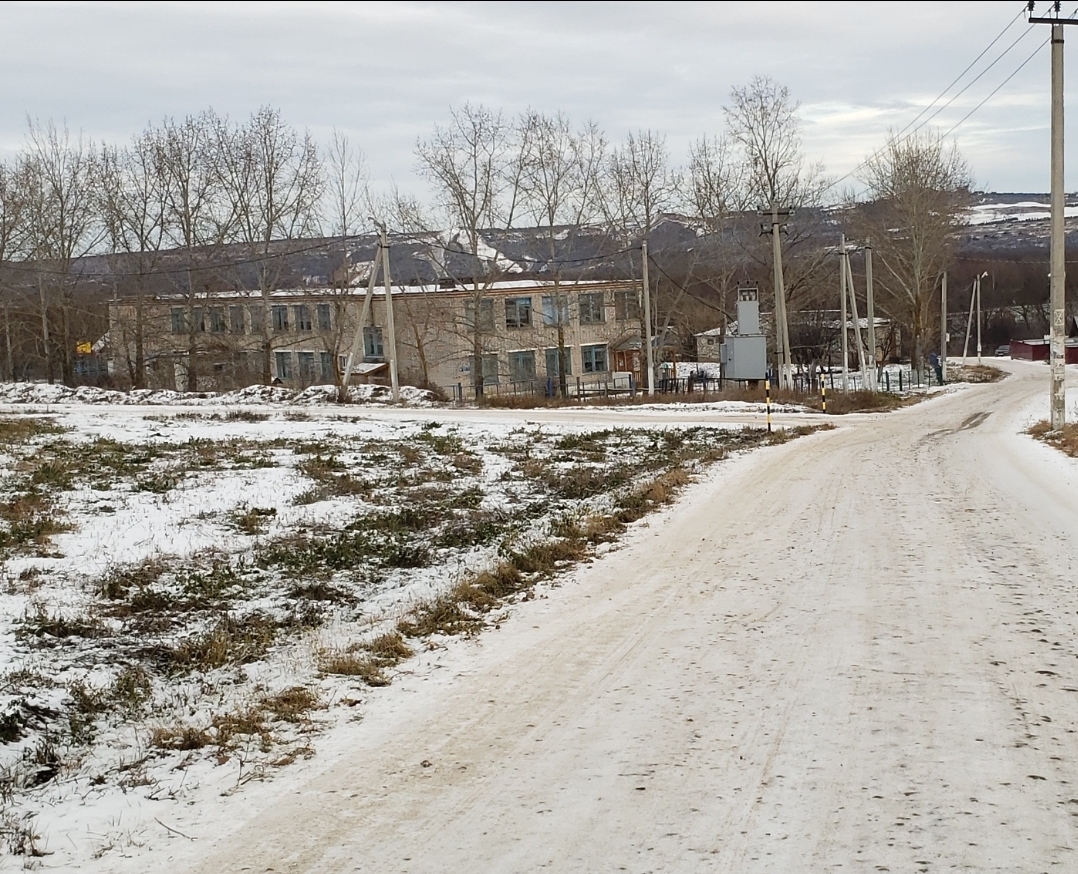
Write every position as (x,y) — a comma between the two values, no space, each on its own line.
(386,73)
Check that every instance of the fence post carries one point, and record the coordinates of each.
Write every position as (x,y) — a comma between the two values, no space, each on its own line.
(900,380)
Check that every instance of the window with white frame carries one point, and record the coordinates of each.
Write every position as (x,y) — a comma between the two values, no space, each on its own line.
(306,366)
(594,358)
(521,366)
(626,305)
(591,308)
(302,315)
(373,349)
(518,312)
(553,365)
(284,365)
(555,309)
(485,322)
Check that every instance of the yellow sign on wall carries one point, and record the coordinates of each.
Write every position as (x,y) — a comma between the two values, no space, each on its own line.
(84,348)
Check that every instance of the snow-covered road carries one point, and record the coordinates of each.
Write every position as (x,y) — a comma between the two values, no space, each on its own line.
(857,650)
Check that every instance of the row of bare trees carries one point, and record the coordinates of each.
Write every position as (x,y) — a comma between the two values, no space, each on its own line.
(206,183)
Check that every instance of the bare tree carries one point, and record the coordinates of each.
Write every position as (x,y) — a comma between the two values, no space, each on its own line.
(762,120)
(345,210)
(63,226)
(198,217)
(14,185)
(763,123)
(560,178)
(916,190)
(718,195)
(272,177)
(135,214)
(347,196)
(475,165)
(640,184)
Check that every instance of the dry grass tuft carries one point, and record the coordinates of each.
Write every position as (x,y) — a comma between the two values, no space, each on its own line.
(291,705)
(643,499)
(180,737)
(1065,440)
(975,373)
(351,664)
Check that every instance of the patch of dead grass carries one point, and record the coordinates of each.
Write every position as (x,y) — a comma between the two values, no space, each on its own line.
(1065,440)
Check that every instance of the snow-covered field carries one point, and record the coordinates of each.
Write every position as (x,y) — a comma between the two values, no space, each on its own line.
(198,592)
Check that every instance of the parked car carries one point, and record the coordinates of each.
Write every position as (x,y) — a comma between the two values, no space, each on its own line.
(1003,351)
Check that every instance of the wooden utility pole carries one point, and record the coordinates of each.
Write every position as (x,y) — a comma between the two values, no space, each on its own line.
(648,341)
(1057,293)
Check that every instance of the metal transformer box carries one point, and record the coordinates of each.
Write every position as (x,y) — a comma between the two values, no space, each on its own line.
(744,357)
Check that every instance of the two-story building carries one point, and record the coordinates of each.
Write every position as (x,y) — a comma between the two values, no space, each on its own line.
(517,335)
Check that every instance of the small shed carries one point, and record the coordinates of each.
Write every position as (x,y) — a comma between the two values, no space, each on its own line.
(1038,350)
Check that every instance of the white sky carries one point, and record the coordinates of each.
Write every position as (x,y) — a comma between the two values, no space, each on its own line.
(387,72)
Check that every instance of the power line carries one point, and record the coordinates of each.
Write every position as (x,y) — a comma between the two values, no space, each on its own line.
(969,66)
(903,131)
(976,78)
(998,87)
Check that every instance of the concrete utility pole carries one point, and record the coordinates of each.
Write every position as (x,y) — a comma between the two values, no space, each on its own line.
(390,327)
(782,324)
(856,322)
(980,276)
(1057,295)
(870,306)
(944,336)
(357,338)
(648,340)
(969,321)
(843,317)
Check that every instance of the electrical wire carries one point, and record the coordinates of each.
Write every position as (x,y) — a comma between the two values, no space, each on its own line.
(999,86)
(975,79)
(684,289)
(969,67)
(903,131)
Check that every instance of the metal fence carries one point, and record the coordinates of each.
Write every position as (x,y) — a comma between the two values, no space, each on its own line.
(892,378)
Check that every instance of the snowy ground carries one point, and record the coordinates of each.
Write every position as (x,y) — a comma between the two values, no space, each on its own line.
(179,579)
(750,643)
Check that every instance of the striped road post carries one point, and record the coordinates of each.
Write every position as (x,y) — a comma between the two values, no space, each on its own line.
(823,397)
(767,396)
